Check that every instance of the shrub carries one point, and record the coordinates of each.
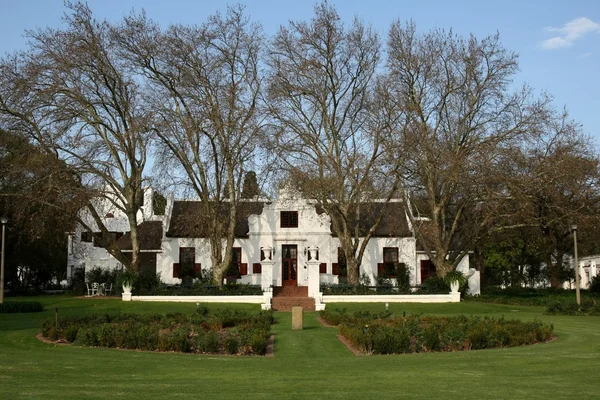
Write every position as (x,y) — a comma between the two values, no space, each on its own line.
(595,284)
(387,340)
(203,290)
(202,309)
(426,334)
(435,285)
(171,332)
(105,333)
(232,344)
(209,343)
(21,307)
(570,307)
(259,342)
(147,281)
(175,340)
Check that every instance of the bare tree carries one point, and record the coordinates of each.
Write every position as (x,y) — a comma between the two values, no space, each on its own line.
(330,115)
(553,181)
(460,115)
(205,85)
(71,95)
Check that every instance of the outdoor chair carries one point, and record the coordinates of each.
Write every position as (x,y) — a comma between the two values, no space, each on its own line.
(95,287)
(90,291)
(107,288)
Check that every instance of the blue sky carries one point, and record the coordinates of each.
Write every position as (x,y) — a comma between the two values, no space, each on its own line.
(558,41)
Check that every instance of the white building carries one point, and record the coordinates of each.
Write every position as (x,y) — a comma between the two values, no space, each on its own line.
(286,227)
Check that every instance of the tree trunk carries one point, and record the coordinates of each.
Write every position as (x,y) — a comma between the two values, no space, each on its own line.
(442,266)
(553,273)
(134,266)
(353,270)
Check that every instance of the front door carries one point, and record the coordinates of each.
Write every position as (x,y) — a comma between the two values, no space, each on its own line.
(289,264)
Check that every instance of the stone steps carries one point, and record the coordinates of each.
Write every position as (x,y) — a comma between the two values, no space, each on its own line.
(285,303)
(290,291)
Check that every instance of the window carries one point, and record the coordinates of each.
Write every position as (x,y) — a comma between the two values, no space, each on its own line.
(98,239)
(86,237)
(289,219)
(387,269)
(236,267)
(340,268)
(187,266)
(187,259)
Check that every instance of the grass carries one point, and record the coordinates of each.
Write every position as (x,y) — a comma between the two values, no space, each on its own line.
(310,363)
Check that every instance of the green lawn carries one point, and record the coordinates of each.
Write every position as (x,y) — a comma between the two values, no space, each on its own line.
(310,363)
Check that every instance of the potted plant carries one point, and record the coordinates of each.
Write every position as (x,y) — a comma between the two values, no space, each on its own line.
(127,278)
(455,279)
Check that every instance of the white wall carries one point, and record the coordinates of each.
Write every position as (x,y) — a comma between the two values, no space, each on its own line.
(84,254)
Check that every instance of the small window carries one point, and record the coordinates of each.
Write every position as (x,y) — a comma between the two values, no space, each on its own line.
(342,267)
(187,261)
(97,239)
(86,237)
(390,254)
(390,262)
(235,265)
(289,219)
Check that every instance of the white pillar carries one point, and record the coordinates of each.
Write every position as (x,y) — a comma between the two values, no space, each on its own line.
(314,280)
(585,280)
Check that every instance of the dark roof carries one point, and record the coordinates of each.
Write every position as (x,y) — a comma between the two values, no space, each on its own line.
(188,218)
(150,236)
(393,224)
(425,231)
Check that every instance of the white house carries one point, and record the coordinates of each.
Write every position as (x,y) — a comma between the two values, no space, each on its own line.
(286,229)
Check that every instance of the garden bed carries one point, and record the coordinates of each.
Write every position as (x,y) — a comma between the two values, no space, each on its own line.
(383,334)
(225,331)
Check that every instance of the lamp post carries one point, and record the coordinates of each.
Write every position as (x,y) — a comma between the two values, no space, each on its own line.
(3,221)
(578,294)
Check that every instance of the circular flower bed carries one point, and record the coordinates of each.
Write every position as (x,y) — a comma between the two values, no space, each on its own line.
(384,334)
(221,332)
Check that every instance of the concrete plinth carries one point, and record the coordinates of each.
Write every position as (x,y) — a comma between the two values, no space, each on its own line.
(297,318)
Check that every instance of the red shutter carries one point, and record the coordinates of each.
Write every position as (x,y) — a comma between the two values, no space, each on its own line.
(380,269)
(257,268)
(335,268)
(323,268)
(176,270)
(243,269)
(198,270)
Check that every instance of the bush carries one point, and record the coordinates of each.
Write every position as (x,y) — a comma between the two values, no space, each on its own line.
(171,332)
(146,281)
(21,307)
(595,284)
(529,296)
(570,307)
(232,344)
(175,340)
(210,343)
(233,289)
(259,342)
(435,285)
(426,334)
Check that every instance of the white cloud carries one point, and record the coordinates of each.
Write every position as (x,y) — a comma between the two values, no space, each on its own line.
(569,33)
(585,55)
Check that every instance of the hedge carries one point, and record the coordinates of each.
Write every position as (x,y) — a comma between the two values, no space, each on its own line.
(21,307)
(383,334)
(223,331)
